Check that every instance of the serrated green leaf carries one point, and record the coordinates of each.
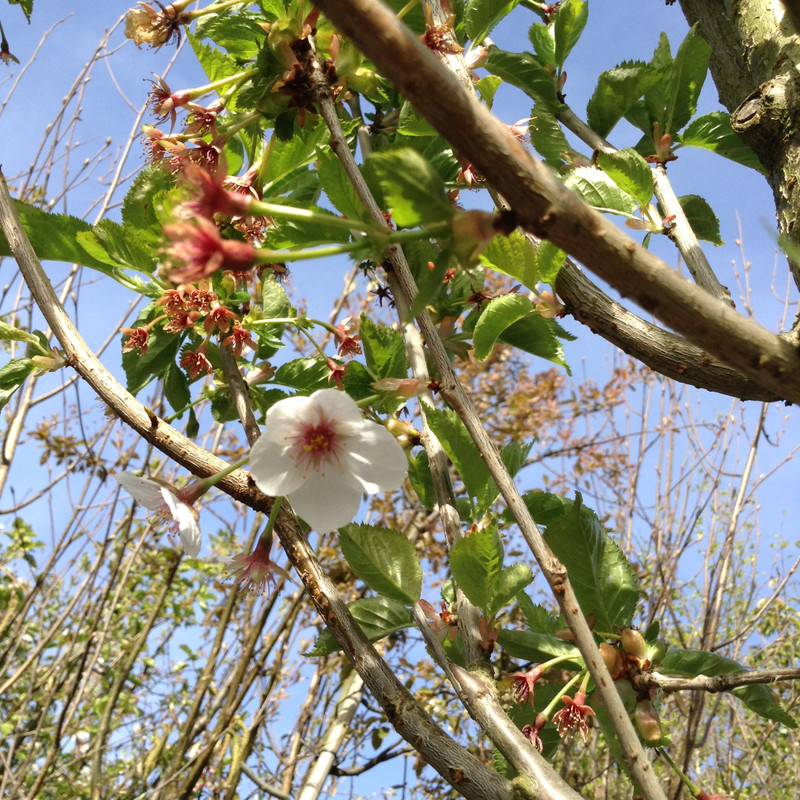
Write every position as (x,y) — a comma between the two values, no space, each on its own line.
(480,16)
(292,157)
(384,349)
(714,132)
(337,186)
(616,92)
(476,562)
(512,580)
(176,389)
(240,35)
(487,88)
(758,698)
(543,41)
(215,62)
(378,617)
(536,647)
(630,172)
(539,336)
(547,137)
(525,72)
(598,189)
(162,349)
(550,259)
(689,70)
(498,315)
(539,619)
(419,473)
(12,376)
(460,448)
(129,247)
(412,124)
(702,218)
(305,374)
(412,188)
(10,333)
(604,582)
(138,207)
(384,559)
(569,24)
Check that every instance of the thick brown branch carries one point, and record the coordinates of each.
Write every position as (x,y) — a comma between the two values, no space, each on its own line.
(545,208)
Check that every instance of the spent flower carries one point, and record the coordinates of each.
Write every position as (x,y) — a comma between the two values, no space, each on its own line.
(573,717)
(323,455)
(174,505)
(257,571)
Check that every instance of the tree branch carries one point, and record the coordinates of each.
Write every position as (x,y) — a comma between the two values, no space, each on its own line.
(713,683)
(543,206)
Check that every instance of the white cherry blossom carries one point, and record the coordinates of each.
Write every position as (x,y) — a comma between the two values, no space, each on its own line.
(174,505)
(323,455)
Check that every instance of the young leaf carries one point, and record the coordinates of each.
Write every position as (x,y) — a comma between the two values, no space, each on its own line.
(12,376)
(617,91)
(384,349)
(305,374)
(604,582)
(536,647)
(543,40)
(525,72)
(512,580)
(689,70)
(547,137)
(758,698)
(476,562)
(10,333)
(460,448)
(337,187)
(714,132)
(513,255)
(600,191)
(378,617)
(539,336)
(630,172)
(550,258)
(384,559)
(702,218)
(412,188)
(419,473)
(570,22)
(496,317)
(480,16)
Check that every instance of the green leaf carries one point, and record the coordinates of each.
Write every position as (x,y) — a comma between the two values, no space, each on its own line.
(570,22)
(630,172)
(536,647)
(758,697)
(538,617)
(547,137)
(617,91)
(412,188)
(498,315)
(487,88)
(604,582)
(480,16)
(138,207)
(513,580)
(162,348)
(550,258)
(714,132)
(460,448)
(476,562)
(129,247)
(53,236)
(419,473)
(176,389)
(702,218)
(384,349)
(689,70)
(378,617)
(600,191)
(337,187)
(12,376)
(543,40)
(10,333)
(305,374)
(539,336)
(384,559)
(525,72)
(515,256)
(412,124)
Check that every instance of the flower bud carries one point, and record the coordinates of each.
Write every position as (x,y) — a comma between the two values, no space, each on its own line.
(613,658)
(648,723)
(634,644)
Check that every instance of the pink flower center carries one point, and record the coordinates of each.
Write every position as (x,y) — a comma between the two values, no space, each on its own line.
(316,444)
